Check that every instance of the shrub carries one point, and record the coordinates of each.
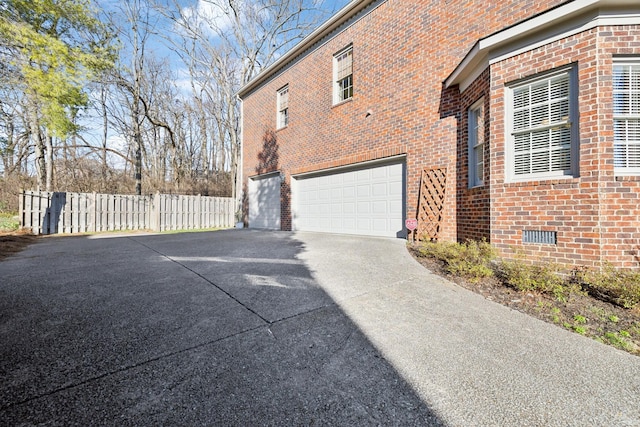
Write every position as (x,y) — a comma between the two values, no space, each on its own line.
(543,278)
(618,286)
(471,259)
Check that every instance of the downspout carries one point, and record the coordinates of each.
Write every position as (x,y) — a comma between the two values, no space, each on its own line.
(239,178)
(601,193)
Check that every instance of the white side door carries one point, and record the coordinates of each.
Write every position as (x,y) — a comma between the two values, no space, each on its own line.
(264,202)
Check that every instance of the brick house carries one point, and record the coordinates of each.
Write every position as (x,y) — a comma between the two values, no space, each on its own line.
(517,122)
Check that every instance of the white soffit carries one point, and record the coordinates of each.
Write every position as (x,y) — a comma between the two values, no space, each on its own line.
(555,24)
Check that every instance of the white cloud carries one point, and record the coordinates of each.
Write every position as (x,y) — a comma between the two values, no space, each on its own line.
(208,16)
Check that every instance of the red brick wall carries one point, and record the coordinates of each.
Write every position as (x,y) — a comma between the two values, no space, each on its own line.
(473,207)
(402,52)
(596,216)
(620,196)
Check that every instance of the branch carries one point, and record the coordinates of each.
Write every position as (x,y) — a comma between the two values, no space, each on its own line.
(93,148)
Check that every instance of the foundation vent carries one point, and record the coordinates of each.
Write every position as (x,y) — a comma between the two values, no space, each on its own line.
(539,237)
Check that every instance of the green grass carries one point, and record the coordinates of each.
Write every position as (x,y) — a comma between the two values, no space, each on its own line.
(617,339)
(8,222)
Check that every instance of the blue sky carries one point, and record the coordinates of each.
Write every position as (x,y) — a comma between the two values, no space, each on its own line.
(158,45)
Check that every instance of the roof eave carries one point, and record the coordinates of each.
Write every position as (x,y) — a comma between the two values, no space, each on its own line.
(479,54)
(343,15)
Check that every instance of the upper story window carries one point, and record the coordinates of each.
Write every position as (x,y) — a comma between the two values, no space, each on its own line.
(343,75)
(542,140)
(476,144)
(626,116)
(283,107)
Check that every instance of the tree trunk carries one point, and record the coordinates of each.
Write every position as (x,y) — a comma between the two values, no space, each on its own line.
(49,163)
(105,134)
(40,150)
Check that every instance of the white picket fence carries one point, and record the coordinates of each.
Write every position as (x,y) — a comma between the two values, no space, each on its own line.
(61,212)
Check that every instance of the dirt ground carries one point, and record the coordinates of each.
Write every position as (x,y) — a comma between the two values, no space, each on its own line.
(14,241)
(580,313)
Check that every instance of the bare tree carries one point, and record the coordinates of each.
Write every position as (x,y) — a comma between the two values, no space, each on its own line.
(173,125)
(224,44)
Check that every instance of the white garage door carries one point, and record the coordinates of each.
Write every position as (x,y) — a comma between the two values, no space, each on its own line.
(264,202)
(367,201)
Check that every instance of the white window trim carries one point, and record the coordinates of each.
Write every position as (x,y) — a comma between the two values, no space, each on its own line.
(510,175)
(625,171)
(279,120)
(335,84)
(472,121)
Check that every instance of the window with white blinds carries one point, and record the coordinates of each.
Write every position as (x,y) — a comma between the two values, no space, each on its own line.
(283,107)
(343,75)
(542,134)
(626,117)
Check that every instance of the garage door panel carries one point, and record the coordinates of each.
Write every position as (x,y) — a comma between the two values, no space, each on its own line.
(379,173)
(349,192)
(363,208)
(364,224)
(380,207)
(380,224)
(394,189)
(366,201)
(323,195)
(395,206)
(349,208)
(363,175)
(379,189)
(364,190)
(349,223)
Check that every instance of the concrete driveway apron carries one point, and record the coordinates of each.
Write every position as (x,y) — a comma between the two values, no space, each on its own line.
(244,327)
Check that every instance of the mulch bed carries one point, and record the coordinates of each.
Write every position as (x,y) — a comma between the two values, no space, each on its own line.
(13,242)
(598,313)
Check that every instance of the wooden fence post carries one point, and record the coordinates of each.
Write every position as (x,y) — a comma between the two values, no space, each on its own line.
(91,227)
(156,213)
(21,208)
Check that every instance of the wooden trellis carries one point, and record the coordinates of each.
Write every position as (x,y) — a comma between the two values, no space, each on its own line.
(431,202)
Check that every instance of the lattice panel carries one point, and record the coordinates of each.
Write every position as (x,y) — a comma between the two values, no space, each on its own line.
(431,202)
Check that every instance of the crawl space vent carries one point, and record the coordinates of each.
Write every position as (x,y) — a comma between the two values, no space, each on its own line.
(539,237)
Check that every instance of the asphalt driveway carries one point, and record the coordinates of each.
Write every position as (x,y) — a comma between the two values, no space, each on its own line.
(244,327)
